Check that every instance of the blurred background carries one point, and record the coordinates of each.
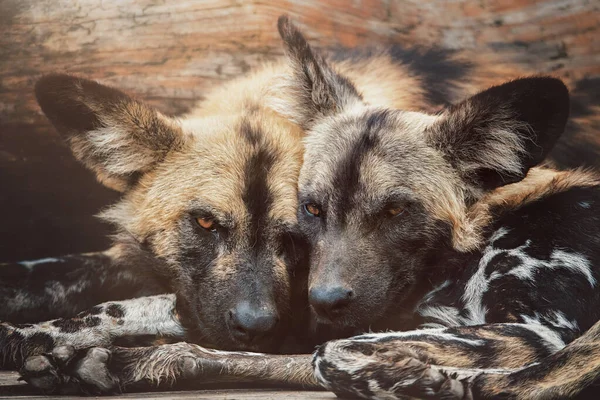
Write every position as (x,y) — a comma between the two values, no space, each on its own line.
(169,53)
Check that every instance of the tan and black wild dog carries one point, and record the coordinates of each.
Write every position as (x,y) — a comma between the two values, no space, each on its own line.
(211,200)
(208,212)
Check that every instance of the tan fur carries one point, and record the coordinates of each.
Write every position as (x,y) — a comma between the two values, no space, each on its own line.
(445,194)
(513,352)
(385,83)
(125,127)
(381,81)
(209,167)
(225,269)
(458,357)
(442,355)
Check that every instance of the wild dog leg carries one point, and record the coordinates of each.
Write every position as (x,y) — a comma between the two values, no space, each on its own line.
(98,326)
(48,288)
(564,374)
(173,362)
(103,371)
(430,363)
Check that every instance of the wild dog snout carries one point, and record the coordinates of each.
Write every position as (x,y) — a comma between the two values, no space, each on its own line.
(331,300)
(248,322)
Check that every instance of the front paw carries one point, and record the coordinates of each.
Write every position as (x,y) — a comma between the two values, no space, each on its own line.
(165,365)
(374,370)
(68,371)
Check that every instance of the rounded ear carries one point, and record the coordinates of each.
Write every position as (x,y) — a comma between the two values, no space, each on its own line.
(314,90)
(496,136)
(117,137)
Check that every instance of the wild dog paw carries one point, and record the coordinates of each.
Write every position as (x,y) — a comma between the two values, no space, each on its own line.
(166,364)
(67,371)
(369,370)
(437,384)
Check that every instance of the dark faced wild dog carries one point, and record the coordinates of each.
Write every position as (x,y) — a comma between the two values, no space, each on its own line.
(445,222)
(367,166)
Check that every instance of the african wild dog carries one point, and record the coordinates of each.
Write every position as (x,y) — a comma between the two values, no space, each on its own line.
(444,222)
(333,99)
(208,213)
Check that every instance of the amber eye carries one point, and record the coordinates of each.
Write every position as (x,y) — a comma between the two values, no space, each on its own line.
(207,223)
(395,211)
(312,209)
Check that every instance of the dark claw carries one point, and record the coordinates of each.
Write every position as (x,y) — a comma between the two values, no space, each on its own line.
(93,370)
(63,354)
(46,383)
(188,367)
(431,380)
(452,389)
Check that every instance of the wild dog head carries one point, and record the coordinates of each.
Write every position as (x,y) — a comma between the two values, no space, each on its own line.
(213,200)
(383,192)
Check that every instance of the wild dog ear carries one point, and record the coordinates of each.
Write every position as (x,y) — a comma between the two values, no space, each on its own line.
(316,89)
(496,136)
(115,136)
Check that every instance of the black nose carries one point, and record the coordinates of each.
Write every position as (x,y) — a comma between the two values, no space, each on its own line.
(248,322)
(330,301)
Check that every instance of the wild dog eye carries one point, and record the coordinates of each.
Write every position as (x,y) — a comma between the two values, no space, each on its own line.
(207,223)
(312,210)
(395,211)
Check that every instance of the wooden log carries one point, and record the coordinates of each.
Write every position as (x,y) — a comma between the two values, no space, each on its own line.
(170,52)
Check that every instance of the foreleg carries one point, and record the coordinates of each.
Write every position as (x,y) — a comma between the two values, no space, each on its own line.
(98,326)
(105,371)
(430,363)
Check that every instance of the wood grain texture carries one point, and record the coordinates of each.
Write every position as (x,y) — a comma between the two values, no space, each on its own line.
(170,52)
(11,387)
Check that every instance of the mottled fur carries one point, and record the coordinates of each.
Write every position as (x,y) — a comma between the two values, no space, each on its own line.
(38,290)
(98,326)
